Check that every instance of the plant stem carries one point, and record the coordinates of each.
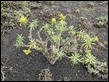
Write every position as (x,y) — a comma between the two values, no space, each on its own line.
(24,45)
(39,36)
(59,39)
(30,34)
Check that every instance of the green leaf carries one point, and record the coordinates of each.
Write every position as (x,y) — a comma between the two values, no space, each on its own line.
(90,59)
(75,58)
(81,34)
(33,24)
(62,23)
(60,55)
(72,30)
(88,51)
(88,42)
(32,44)
(19,41)
(60,27)
(50,31)
(46,26)
(55,38)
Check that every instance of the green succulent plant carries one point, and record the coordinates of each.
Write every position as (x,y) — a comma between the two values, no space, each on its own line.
(81,34)
(60,55)
(88,51)
(72,31)
(33,24)
(11,11)
(61,28)
(32,44)
(60,46)
(92,70)
(50,32)
(101,21)
(89,59)
(75,58)
(55,38)
(62,23)
(88,42)
(19,41)
(99,69)
(46,26)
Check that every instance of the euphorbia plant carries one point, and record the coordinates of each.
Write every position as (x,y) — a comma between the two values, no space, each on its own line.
(61,45)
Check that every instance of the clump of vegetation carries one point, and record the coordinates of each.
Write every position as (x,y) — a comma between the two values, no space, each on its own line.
(11,11)
(19,41)
(87,42)
(36,5)
(78,11)
(101,22)
(99,68)
(75,58)
(45,75)
(68,46)
(91,4)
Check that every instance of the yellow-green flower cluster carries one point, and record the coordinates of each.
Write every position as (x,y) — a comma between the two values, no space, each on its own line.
(53,20)
(23,20)
(32,44)
(27,51)
(95,39)
(62,17)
